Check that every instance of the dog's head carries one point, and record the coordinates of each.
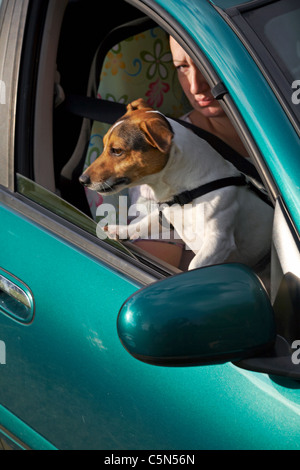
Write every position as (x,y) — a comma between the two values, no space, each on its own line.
(136,146)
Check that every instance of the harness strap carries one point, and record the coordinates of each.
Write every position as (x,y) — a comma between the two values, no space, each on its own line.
(188,196)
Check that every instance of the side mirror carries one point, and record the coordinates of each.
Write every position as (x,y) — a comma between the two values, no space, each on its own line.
(205,316)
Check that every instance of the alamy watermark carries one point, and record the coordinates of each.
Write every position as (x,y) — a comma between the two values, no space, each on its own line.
(296,93)
(296,354)
(147,221)
(2,353)
(2,92)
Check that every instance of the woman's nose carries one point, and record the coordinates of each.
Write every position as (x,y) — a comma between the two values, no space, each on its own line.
(198,84)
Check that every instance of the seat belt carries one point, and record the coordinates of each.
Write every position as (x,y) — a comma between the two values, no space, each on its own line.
(93,108)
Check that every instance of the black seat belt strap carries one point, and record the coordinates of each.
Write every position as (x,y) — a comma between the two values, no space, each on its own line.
(94,109)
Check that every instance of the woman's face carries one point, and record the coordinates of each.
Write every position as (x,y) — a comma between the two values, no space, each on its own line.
(194,84)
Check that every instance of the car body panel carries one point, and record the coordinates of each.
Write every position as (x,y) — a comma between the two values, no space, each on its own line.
(59,375)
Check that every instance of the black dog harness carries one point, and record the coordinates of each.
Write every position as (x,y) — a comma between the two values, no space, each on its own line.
(188,196)
(249,175)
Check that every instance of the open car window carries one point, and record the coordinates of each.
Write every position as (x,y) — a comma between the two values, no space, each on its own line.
(60,143)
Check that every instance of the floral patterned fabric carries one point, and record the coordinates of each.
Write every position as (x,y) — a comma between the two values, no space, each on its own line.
(138,67)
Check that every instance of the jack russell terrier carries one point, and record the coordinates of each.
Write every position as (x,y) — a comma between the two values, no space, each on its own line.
(186,175)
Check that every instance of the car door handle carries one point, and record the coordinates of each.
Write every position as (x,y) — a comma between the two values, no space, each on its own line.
(16,299)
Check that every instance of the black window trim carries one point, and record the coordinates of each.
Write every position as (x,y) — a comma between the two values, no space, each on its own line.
(269,68)
(34,30)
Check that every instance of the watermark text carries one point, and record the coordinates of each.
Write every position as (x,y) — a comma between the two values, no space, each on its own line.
(156,221)
(296,93)
(2,92)
(2,353)
(296,354)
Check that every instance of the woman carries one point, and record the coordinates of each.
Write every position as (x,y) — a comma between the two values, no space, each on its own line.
(207,114)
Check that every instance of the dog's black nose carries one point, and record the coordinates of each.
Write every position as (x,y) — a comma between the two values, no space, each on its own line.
(84,179)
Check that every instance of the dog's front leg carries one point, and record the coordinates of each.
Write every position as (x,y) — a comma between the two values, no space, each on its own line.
(218,244)
(214,251)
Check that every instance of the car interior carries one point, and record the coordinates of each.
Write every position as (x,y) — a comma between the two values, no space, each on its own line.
(72,101)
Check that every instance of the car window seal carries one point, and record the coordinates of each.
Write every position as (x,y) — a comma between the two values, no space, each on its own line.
(27,86)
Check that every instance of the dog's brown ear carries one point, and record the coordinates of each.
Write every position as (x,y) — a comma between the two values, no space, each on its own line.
(158,134)
(137,104)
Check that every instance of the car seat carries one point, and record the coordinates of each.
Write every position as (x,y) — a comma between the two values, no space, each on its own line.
(134,61)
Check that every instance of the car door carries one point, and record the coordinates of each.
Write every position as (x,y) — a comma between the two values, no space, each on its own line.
(56,295)
(66,380)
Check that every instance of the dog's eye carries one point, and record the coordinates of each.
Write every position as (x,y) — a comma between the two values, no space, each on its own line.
(116,151)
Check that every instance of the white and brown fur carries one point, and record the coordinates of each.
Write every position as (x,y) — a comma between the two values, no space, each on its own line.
(143,147)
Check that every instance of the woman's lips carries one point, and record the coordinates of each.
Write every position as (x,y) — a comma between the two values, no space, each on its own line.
(204,101)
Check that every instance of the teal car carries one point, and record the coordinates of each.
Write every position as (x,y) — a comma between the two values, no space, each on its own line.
(102,345)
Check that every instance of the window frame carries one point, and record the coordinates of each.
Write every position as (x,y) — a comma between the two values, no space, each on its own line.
(236,19)
(13,15)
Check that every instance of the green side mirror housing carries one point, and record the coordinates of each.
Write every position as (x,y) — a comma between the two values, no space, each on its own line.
(204,316)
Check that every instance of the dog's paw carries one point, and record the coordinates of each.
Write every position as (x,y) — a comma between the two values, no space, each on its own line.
(120,232)
(112,231)
(194,264)
(123,232)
